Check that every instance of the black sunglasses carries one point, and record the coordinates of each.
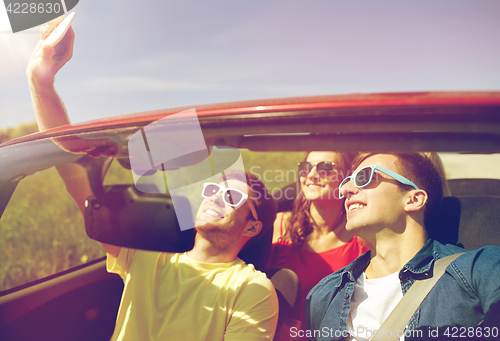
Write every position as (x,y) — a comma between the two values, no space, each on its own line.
(324,168)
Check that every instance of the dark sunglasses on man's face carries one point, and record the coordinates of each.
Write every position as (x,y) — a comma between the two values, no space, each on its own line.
(324,168)
(364,176)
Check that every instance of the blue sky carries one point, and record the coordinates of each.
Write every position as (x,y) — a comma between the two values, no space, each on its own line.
(142,55)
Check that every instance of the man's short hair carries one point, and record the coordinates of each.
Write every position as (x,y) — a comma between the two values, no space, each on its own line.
(258,249)
(420,170)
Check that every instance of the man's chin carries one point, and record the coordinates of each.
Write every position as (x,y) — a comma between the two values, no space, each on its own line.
(359,228)
(205,223)
(351,225)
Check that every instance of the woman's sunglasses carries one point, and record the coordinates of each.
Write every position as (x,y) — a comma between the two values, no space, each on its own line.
(231,196)
(364,176)
(324,168)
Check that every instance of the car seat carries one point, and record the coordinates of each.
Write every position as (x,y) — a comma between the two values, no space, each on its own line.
(285,202)
(469,221)
(462,187)
(286,283)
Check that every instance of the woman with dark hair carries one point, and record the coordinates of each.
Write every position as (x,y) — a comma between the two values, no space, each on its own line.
(312,240)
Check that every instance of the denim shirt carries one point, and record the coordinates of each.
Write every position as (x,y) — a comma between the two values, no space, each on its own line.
(467,295)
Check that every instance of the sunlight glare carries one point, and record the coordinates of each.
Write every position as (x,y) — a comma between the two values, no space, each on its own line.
(15,49)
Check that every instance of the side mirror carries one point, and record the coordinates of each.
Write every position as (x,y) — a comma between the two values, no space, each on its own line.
(123,216)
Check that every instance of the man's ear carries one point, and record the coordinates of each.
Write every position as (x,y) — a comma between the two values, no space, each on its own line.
(253,228)
(416,200)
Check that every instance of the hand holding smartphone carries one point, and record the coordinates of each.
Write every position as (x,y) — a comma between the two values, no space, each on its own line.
(58,33)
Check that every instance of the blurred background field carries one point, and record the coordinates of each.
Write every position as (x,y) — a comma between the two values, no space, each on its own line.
(22,130)
(42,232)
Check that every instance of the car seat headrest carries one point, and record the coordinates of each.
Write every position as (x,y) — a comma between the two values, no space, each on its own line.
(472,221)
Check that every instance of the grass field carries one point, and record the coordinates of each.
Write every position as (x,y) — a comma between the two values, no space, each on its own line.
(42,232)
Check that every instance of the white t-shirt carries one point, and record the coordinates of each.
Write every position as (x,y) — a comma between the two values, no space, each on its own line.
(371,303)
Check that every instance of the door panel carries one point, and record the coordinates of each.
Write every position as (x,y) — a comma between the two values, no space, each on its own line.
(81,304)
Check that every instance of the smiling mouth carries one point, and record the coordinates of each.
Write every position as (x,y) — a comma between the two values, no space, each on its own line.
(355,206)
(213,213)
(315,186)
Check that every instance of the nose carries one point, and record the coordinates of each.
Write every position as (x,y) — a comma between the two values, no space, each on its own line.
(348,188)
(313,173)
(217,199)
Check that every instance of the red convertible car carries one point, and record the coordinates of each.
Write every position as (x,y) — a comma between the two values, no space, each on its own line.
(53,282)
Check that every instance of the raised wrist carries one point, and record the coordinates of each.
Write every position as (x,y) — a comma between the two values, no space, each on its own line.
(41,85)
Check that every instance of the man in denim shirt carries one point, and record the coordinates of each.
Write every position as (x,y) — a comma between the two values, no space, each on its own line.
(390,199)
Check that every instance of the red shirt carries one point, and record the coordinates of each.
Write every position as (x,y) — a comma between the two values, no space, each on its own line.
(310,266)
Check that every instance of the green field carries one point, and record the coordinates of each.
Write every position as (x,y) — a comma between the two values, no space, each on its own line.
(42,232)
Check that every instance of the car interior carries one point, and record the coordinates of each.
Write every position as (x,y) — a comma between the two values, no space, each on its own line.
(81,303)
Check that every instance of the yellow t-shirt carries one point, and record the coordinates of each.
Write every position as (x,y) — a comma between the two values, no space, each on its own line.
(169,296)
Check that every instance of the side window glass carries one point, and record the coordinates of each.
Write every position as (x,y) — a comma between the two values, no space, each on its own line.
(42,232)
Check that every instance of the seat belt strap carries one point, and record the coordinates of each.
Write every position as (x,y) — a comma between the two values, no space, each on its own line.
(398,319)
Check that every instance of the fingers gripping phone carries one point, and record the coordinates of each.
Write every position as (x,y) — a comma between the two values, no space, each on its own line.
(58,33)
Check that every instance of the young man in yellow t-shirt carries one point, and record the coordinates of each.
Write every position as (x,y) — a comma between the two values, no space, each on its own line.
(207,293)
